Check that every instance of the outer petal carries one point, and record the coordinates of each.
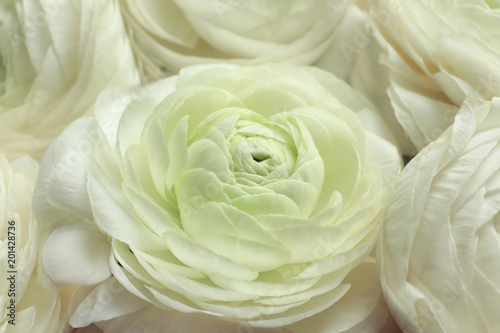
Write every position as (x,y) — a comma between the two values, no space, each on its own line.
(76,253)
(103,302)
(355,307)
(151,320)
(61,185)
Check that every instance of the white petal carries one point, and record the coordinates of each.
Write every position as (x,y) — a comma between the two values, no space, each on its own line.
(387,157)
(103,302)
(61,185)
(76,253)
(37,310)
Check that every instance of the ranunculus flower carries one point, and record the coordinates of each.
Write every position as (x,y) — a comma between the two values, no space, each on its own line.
(55,58)
(440,246)
(434,54)
(36,309)
(177,33)
(250,194)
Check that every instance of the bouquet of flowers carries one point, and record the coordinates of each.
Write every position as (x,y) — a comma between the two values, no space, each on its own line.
(288,166)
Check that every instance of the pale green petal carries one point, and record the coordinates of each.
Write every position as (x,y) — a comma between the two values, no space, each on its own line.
(106,165)
(223,120)
(172,300)
(248,227)
(217,136)
(324,126)
(335,262)
(342,169)
(238,190)
(195,189)
(157,154)
(129,281)
(248,180)
(136,172)
(165,261)
(165,298)
(177,151)
(248,311)
(315,305)
(278,221)
(196,103)
(267,203)
(323,285)
(266,130)
(132,122)
(151,213)
(201,216)
(117,223)
(262,288)
(268,101)
(310,243)
(205,154)
(256,255)
(303,194)
(124,258)
(328,215)
(194,289)
(206,261)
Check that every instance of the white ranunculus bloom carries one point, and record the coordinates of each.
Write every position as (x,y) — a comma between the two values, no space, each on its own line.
(434,53)
(172,34)
(440,246)
(252,195)
(36,309)
(55,58)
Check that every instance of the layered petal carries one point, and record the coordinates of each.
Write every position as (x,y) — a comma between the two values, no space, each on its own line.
(435,275)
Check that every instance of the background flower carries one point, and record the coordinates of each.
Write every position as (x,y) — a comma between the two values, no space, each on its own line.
(169,35)
(246,193)
(430,56)
(55,58)
(37,309)
(440,244)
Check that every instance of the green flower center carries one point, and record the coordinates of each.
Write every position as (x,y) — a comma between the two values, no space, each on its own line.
(259,149)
